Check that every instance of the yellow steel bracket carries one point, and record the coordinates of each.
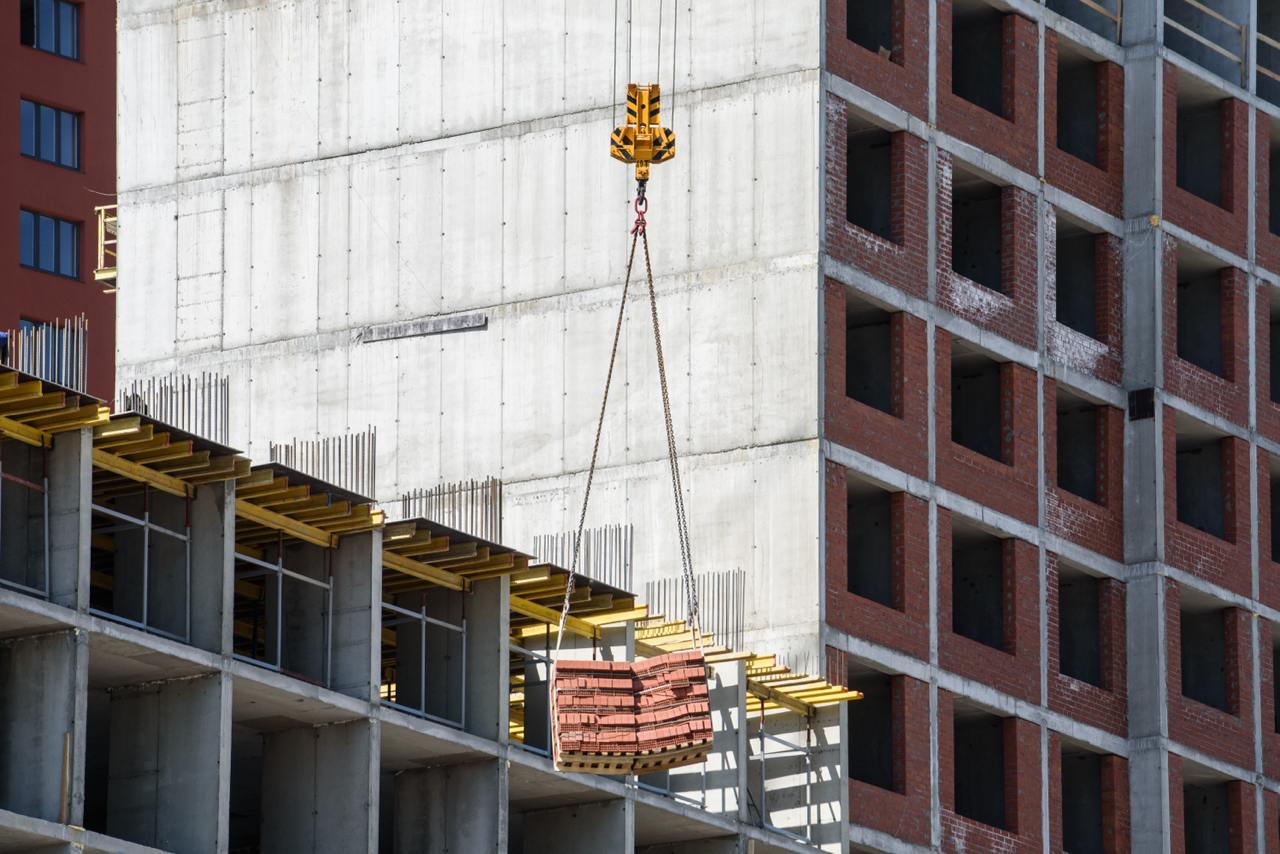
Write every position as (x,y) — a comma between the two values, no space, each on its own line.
(643,140)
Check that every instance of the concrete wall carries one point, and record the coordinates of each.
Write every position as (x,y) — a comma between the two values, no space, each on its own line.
(295,172)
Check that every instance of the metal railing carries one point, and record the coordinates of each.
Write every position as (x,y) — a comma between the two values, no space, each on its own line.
(392,691)
(269,635)
(41,489)
(792,751)
(1080,11)
(125,523)
(1198,18)
(108,238)
(543,662)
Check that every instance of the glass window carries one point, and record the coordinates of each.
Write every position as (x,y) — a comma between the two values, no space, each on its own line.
(52,26)
(27,238)
(46,32)
(46,242)
(50,244)
(48,133)
(67,248)
(28,112)
(69,140)
(68,30)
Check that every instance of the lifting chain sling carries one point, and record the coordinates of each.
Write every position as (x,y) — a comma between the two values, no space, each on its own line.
(641,141)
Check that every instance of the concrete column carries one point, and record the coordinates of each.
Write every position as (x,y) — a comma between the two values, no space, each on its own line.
(43,707)
(488,670)
(320,788)
(452,808)
(725,769)
(170,764)
(357,615)
(581,829)
(213,535)
(70,500)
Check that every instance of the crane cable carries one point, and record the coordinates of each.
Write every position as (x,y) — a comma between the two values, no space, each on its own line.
(639,234)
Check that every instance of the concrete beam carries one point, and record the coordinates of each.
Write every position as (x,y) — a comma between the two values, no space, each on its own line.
(452,808)
(488,679)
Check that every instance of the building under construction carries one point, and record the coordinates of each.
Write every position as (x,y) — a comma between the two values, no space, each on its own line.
(200,654)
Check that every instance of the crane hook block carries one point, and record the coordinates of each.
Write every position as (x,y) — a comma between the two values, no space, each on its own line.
(643,140)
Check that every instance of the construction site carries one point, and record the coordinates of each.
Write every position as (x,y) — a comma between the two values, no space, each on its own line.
(656,426)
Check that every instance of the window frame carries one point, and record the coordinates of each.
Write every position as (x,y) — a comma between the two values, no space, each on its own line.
(37,136)
(57,10)
(35,218)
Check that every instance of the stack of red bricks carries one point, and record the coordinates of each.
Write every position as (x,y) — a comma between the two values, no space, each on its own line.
(619,717)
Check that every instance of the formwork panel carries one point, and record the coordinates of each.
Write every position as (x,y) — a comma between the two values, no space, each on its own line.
(237,127)
(532,391)
(785,170)
(590,78)
(472,66)
(147,129)
(237,241)
(421,61)
(533,178)
(471,397)
(284,246)
(376,230)
(422,212)
(284,102)
(721,42)
(598,205)
(786,347)
(589,319)
(472,267)
(373,73)
(533,59)
(723,217)
(646,440)
(146,312)
(333,262)
(721,328)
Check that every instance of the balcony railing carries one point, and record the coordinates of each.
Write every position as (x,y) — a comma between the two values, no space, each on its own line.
(108,224)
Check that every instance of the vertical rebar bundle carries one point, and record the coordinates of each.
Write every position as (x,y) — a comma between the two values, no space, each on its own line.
(606,553)
(349,461)
(197,403)
(722,598)
(54,351)
(473,506)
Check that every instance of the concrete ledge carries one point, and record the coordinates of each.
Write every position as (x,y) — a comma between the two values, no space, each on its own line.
(22,833)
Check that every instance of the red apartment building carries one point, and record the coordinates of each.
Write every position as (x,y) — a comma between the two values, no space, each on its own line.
(59,75)
(1052,422)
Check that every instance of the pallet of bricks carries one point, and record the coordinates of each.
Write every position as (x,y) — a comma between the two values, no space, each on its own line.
(619,717)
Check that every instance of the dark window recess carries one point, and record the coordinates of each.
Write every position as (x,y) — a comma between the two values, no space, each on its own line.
(871,548)
(871,728)
(1205,818)
(51,25)
(976,234)
(870,24)
(1078,450)
(1200,323)
(1275,686)
(977,589)
(1079,635)
(1078,109)
(975,406)
(1273,192)
(977,57)
(979,768)
(1081,802)
(868,193)
(49,244)
(1199,156)
(1077,287)
(1199,487)
(50,134)
(868,369)
(1274,344)
(1204,662)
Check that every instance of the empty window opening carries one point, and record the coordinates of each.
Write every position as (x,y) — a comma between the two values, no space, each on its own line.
(1199,154)
(975,404)
(1204,663)
(869,191)
(1205,818)
(1078,422)
(1079,632)
(1274,356)
(976,232)
(868,362)
(1274,481)
(873,731)
(979,767)
(1275,679)
(871,545)
(1199,313)
(977,586)
(977,55)
(1273,191)
(870,23)
(1081,802)
(1199,484)
(1077,106)
(1076,278)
